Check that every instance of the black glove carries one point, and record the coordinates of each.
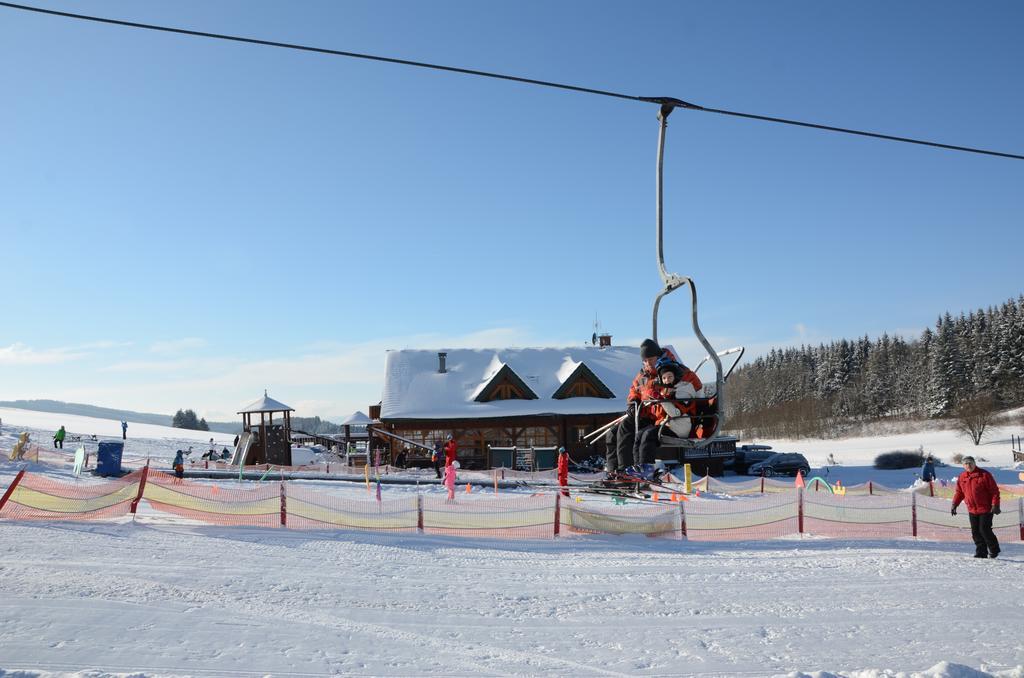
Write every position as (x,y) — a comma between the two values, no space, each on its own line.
(952,511)
(996,510)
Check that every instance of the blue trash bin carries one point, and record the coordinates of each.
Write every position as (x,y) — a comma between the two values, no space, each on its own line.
(108,459)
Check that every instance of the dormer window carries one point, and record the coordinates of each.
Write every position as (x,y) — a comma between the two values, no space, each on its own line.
(582,383)
(505,385)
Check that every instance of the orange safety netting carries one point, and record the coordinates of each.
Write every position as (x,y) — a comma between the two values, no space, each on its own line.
(870,489)
(530,517)
(764,517)
(858,516)
(312,509)
(653,521)
(935,522)
(947,489)
(258,506)
(40,498)
(745,487)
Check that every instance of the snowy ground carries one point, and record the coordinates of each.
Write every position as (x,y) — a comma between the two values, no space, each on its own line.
(159,597)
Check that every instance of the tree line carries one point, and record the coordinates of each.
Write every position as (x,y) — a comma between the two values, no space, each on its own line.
(188,419)
(821,390)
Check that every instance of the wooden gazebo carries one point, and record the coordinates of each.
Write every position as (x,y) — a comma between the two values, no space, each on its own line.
(271,442)
(354,428)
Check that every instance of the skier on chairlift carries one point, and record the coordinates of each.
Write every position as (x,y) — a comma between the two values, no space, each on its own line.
(642,418)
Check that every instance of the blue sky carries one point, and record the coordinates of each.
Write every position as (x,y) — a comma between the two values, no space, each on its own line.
(185,222)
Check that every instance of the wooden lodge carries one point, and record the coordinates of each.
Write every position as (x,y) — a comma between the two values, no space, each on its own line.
(492,400)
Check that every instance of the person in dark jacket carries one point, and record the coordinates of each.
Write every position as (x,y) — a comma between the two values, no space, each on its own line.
(435,458)
(978,489)
(928,469)
(124,430)
(179,464)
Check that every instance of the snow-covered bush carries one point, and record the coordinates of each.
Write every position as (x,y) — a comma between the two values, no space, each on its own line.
(899,459)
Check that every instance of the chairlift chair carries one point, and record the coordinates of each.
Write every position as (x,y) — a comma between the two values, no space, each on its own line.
(705,424)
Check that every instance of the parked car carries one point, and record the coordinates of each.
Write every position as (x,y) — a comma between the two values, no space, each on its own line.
(781,464)
(748,455)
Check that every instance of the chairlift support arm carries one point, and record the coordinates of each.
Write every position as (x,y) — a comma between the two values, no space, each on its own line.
(673,281)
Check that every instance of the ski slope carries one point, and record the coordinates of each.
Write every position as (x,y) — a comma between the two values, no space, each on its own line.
(160,597)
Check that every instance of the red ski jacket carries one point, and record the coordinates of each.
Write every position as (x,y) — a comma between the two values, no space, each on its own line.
(449,452)
(563,469)
(978,489)
(645,387)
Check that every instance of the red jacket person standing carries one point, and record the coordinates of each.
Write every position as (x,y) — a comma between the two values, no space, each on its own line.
(978,489)
(450,449)
(563,470)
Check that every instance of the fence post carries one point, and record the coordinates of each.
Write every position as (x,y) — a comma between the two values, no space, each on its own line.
(682,519)
(17,479)
(284,507)
(419,512)
(1020,516)
(931,488)
(800,509)
(142,488)
(871,489)
(558,512)
(762,483)
(913,514)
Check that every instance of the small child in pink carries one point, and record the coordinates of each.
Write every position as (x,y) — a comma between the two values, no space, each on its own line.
(449,481)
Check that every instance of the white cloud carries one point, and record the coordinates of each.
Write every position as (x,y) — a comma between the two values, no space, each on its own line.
(177,345)
(19,354)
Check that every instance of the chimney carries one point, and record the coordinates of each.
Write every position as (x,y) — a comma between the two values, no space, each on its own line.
(441,355)
(604,340)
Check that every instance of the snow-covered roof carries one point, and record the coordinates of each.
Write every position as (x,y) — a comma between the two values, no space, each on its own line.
(266,404)
(356,419)
(414,389)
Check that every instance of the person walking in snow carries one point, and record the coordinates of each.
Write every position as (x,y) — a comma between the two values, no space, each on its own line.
(450,450)
(978,489)
(124,430)
(563,470)
(58,438)
(179,464)
(435,458)
(449,481)
(928,469)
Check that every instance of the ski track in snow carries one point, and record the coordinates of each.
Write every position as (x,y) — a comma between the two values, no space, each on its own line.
(171,600)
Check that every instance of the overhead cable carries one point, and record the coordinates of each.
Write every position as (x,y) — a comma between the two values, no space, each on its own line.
(664,101)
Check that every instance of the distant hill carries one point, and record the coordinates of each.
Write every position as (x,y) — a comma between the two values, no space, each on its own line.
(58,407)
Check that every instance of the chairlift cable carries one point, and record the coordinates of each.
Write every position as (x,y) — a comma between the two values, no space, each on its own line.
(499,76)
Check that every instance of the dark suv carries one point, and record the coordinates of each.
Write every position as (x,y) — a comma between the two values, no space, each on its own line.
(748,455)
(781,464)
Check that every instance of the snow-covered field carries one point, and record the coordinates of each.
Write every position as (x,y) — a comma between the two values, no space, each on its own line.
(159,597)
